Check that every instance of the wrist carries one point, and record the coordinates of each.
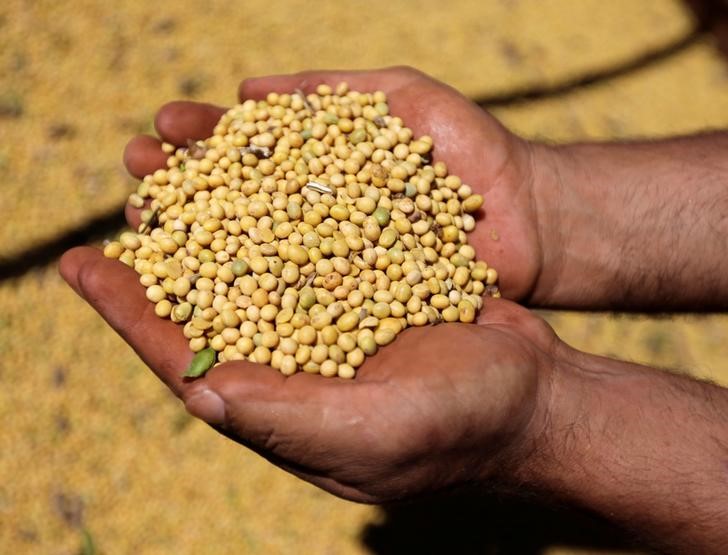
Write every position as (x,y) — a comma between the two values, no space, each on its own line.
(580,236)
(630,225)
(523,461)
(548,169)
(564,397)
(535,459)
(642,448)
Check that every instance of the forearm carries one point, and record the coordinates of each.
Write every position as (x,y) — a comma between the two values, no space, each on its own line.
(641,447)
(638,226)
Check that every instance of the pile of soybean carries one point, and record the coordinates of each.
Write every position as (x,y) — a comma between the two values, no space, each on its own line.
(306,233)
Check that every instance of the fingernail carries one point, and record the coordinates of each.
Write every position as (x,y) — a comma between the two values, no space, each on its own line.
(208,406)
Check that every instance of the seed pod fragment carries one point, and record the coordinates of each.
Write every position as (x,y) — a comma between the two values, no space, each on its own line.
(201,363)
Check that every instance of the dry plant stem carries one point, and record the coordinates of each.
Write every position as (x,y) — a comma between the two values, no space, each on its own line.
(149,224)
(306,103)
(195,150)
(259,151)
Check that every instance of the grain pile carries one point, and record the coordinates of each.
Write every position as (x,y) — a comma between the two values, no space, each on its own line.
(305,233)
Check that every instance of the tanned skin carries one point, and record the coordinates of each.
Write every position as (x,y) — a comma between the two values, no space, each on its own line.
(503,403)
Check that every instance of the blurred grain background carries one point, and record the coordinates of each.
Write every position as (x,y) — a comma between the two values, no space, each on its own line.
(95,455)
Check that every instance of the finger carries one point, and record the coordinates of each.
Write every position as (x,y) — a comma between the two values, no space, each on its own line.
(387,79)
(259,400)
(133,216)
(303,420)
(113,289)
(175,122)
(262,403)
(178,121)
(295,422)
(143,154)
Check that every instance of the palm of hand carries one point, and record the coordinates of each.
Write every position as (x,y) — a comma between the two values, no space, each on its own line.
(486,156)
(408,425)
(418,409)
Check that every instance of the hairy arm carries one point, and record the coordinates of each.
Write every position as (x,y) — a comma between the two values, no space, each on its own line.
(637,226)
(641,447)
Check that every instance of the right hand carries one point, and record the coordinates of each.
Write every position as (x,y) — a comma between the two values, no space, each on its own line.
(442,406)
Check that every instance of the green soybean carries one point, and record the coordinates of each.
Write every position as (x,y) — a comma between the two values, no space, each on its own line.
(201,363)
(381,214)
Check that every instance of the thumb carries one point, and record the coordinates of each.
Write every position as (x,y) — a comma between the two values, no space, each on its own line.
(305,424)
(265,409)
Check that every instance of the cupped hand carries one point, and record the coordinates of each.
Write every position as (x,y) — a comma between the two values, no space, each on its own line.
(473,144)
(443,405)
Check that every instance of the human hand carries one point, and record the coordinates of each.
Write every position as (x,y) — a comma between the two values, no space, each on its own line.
(502,403)
(441,406)
(473,144)
(406,423)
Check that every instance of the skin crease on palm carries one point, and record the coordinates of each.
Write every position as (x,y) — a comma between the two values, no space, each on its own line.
(404,426)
